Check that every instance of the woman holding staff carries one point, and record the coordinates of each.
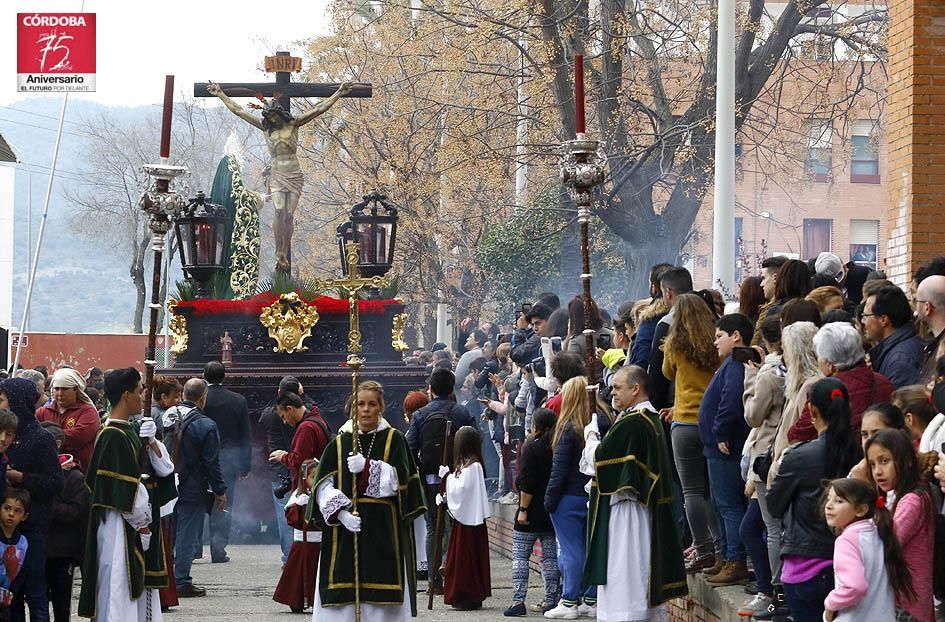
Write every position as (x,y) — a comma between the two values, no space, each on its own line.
(370,545)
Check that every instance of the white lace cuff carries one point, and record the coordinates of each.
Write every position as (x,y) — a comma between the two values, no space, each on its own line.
(382,480)
(330,501)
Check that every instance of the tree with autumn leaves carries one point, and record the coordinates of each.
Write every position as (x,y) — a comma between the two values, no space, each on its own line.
(456,83)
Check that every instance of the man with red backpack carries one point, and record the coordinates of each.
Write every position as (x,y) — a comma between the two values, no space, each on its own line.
(425,437)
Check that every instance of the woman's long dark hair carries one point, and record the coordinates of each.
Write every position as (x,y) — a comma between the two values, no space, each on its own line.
(908,472)
(857,492)
(793,280)
(750,297)
(576,315)
(832,401)
(467,444)
(543,422)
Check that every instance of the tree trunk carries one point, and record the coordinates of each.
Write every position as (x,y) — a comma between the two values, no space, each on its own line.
(639,258)
(137,277)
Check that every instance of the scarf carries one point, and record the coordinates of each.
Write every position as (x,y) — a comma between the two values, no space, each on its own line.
(69,379)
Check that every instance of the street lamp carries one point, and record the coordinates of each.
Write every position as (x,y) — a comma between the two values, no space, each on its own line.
(375,233)
(201,229)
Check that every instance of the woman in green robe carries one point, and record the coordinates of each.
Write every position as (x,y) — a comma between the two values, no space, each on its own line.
(377,533)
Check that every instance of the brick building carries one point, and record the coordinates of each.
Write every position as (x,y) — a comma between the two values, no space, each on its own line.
(818,179)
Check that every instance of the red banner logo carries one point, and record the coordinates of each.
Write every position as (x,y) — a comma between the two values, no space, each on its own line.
(55,52)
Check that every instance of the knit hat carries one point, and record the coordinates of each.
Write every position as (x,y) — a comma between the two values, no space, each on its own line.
(829,264)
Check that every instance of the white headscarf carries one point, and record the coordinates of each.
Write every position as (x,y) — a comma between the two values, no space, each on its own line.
(70,378)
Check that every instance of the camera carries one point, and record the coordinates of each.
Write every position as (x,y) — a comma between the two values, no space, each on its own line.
(285,485)
(537,366)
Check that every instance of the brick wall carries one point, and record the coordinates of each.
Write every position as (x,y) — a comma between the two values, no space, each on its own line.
(704,603)
(916,135)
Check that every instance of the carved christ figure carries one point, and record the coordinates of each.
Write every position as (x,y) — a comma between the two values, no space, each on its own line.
(281,131)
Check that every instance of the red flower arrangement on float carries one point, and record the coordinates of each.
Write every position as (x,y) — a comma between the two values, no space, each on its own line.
(325,305)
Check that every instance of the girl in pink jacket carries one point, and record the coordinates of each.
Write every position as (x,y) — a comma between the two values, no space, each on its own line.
(869,569)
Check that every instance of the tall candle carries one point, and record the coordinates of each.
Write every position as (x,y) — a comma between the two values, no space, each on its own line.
(579,92)
(166,120)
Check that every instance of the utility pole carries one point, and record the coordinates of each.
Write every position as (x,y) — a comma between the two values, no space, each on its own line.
(723,221)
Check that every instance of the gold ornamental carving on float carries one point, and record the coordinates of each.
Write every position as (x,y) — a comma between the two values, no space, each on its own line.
(397,332)
(178,328)
(289,321)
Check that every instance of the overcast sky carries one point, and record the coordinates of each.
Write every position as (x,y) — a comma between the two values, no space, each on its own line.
(195,40)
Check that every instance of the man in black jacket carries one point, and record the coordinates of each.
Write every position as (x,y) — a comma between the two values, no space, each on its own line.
(196,444)
(230,412)
(442,382)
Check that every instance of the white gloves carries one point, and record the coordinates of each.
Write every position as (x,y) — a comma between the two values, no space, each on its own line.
(591,431)
(356,463)
(444,471)
(351,522)
(148,430)
(439,499)
(302,500)
(145,541)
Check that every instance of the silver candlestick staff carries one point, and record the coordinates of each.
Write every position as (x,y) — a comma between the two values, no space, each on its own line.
(582,169)
(162,205)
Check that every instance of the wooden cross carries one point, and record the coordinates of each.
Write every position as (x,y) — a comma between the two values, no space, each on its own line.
(283,64)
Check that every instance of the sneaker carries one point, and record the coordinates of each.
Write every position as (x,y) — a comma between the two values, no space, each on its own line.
(516,611)
(562,612)
(542,607)
(509,499)
(732,573)
(751,588)
(701,563)
(587,611)
(757,604)
(778,611)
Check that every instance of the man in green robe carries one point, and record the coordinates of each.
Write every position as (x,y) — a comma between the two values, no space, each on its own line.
(389,497)
(633,550)
(123,563)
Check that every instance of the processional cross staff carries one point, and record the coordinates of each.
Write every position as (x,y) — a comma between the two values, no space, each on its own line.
(353,284)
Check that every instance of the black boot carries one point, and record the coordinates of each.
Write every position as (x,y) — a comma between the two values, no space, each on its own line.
(778,611)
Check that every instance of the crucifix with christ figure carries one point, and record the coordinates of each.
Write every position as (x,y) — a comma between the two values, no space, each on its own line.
(281,131)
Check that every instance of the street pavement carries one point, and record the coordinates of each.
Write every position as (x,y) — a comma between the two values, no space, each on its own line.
(241,590)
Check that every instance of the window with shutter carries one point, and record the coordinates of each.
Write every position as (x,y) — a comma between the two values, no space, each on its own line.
(864,242)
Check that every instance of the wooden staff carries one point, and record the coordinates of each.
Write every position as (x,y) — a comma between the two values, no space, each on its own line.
(354,362)
(434,564)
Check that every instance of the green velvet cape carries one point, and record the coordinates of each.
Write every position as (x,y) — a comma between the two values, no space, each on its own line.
(633,456)
(113,477)
(386,541)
